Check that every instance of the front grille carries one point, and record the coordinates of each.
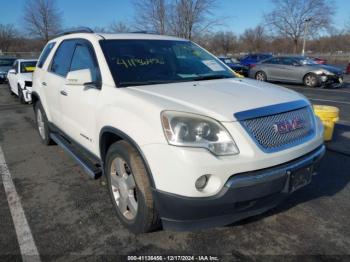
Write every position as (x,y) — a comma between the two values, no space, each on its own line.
(263,129)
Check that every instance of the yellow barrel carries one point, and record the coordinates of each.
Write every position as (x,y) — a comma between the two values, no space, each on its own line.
(329,115)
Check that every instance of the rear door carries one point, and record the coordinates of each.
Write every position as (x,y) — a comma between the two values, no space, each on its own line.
(53,82)
(78,102)
(271,68)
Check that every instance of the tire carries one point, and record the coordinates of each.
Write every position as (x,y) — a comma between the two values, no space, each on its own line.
(130,189)
(10,90)
(261,76)
(42,124)
(21,96)
(310,80)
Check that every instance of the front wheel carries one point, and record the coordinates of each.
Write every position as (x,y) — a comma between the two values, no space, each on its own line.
(310,80)
(130,188)
(260,76)
(21,95)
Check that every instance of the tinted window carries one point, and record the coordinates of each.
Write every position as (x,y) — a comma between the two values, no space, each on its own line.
(141,62)
(28,66)
(288,61)
(45,54)
(83,58)
(6,62)
(61,61)
(275,60)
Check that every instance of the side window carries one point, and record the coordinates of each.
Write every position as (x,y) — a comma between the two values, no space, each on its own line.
(273,61)
(288,61)
(45,53)
(83,58)
(15,66)
(62,59)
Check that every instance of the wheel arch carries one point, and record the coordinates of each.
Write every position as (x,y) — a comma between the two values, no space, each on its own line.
(110,135)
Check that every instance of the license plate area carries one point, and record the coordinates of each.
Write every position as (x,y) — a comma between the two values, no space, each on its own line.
(300,178)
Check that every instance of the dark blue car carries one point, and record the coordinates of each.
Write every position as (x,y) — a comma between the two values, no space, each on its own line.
(252,59)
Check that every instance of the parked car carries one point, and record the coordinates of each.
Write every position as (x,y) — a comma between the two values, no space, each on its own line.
(5,66)
(318,60)
(348,69)
(252,59)
(180,139)
(20,79)
(234,64)
(297,69)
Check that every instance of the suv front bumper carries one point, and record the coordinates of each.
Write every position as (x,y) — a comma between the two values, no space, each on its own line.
(244,195)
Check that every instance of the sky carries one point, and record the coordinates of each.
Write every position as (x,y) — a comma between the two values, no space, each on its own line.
(239,14)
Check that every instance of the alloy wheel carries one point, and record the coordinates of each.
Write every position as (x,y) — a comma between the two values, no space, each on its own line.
(124,188)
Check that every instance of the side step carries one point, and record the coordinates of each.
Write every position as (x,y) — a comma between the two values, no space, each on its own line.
(89,167)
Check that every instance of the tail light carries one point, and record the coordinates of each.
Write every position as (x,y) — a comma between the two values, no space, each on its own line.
(252,65)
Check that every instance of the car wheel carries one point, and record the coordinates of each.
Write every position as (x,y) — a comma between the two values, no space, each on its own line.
(21,95)
(310,80)
(260,76)
(130,188)
(42,124)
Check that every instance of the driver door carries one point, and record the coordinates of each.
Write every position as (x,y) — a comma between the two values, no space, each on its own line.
(79,102)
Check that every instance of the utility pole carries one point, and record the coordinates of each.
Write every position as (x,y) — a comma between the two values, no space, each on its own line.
(305,33)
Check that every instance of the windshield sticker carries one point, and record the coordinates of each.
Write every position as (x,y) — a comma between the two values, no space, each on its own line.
(213,65)
(29,68)
(187,75)
(135,62)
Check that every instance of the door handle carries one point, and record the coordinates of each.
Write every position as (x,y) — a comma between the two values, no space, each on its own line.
(44,83)
(64,93)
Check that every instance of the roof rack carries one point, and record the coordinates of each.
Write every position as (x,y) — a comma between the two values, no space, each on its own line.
(143,32)
(76,30)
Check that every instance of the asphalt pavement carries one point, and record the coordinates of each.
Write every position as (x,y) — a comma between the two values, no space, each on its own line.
(71,217)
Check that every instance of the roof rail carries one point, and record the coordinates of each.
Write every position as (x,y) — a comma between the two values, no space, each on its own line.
(143,32)
(76,30)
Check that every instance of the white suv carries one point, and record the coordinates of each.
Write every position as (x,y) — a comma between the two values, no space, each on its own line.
(182,141)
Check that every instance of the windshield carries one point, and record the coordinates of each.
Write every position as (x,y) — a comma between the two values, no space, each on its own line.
(142,62)
(6,62)
(28,67)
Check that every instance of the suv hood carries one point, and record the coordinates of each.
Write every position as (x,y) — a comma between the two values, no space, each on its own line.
(219,99)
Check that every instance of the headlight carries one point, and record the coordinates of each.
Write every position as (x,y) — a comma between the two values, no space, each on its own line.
(324,72)
(191,130)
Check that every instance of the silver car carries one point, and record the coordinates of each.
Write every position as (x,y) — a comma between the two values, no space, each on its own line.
(297,69)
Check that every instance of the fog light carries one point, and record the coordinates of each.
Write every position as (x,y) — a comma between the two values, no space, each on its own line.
(201,182)
(323,78)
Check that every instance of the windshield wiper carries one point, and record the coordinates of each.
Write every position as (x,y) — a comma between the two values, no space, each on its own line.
(143,83)
(210,77)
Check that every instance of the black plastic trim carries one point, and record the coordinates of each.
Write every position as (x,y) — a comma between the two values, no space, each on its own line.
(127,138)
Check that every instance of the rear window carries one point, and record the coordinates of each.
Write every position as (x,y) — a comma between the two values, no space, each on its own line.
(45,53)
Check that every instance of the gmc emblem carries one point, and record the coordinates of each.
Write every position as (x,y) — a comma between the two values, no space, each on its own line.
(289,125)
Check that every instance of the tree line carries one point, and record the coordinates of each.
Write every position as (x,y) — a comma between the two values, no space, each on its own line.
(282,30)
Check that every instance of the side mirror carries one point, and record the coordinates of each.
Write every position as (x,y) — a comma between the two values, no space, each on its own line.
(79,77)
(12,71)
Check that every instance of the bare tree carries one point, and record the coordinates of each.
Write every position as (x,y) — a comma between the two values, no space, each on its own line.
(254,39)
(223,43)
(119,27)
(8,33)
(42,18)
(289,17)
(192,16)
(151,15)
